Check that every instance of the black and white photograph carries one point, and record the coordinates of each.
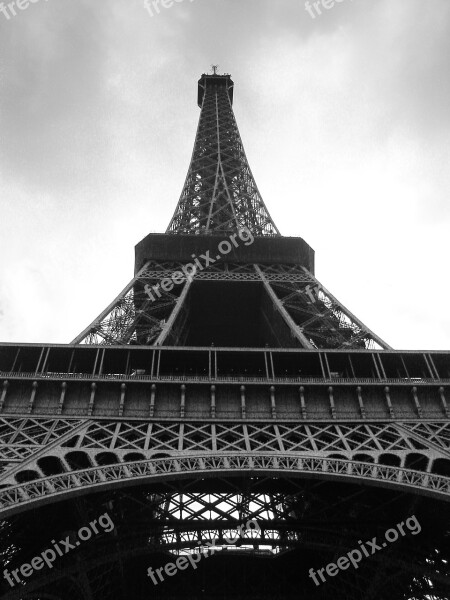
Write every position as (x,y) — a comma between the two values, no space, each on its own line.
(224,335)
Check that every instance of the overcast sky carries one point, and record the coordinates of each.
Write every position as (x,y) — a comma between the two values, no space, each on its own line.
(345,119)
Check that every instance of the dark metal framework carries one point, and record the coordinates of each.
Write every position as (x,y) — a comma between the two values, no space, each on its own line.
(206,438)
(307,314)
(245,391)
(220,194)
(220,197)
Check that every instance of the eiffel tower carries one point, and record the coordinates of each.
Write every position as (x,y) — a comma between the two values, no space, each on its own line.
(225,385)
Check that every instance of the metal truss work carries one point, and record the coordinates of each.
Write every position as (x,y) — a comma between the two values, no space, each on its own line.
(347,439)
(220,193)
(220,197)
(317,318)
(34,448)
(301,516)
(21,438)
(209,394)
(141,312)
(435,433)
(207,478)
(180,523)
(146,314)
(21,497)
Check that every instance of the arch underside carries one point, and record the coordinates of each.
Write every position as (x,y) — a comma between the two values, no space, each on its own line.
(16,499)
(168,491)
(164,507)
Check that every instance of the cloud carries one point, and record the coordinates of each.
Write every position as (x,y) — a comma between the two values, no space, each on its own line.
(345,120)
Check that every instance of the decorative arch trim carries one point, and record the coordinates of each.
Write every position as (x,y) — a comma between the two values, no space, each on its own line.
(56,488)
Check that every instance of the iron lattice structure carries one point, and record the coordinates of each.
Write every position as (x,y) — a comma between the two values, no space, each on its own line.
(220,194)
(220,197)
(245,391)
(311,316)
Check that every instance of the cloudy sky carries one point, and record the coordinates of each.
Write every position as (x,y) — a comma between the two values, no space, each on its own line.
(345,118)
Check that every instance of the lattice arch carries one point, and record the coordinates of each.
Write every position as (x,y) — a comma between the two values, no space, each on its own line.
(22,497)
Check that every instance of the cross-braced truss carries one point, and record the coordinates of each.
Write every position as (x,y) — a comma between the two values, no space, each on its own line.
(145,314)
(25,441)
(299,523)
(220,197)
(220,194)
(235,472)
(142,314)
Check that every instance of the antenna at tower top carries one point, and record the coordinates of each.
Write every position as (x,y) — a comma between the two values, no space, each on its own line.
(214,68)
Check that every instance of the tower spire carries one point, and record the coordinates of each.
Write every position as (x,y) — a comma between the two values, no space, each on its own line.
(220,194)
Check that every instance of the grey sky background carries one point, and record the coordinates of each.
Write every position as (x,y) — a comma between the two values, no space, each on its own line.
(345,119)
